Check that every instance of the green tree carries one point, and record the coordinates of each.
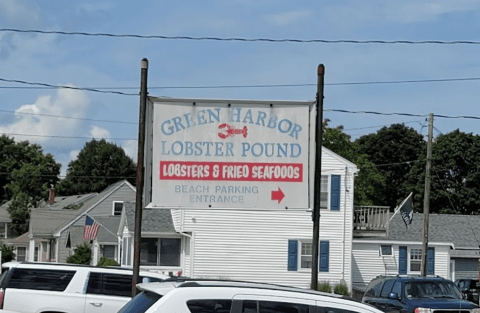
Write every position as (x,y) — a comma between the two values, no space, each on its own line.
(394,150)
(369,180)
(25,168)
(98,165)
(7,253)
(82,254)
(19,213)
(454,175)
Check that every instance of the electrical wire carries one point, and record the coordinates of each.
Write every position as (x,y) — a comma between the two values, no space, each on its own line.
(337,41)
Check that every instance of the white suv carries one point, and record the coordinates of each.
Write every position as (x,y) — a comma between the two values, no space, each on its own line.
(66,288)
(205,296)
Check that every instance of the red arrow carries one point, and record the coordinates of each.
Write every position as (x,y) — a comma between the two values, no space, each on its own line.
(277,195)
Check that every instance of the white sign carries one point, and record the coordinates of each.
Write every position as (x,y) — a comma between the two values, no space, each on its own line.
(230,154)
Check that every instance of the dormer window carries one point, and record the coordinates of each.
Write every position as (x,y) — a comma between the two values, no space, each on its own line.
(117,207)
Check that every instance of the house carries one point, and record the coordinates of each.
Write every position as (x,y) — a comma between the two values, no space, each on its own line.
(453,248)
(253,244)
(59,225)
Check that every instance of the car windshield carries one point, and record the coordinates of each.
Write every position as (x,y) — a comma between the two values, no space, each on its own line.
(432,289)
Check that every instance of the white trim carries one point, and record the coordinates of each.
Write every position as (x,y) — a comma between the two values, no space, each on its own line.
(347,163)
(391,250)
(113,207)
(403,243)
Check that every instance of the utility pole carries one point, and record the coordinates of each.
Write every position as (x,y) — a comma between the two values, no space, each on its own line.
(426,199)
(139,180)
(318,176)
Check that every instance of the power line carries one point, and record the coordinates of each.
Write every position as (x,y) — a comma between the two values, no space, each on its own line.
(66,137)
(66,87)
(327,41)
(69,117)
(105,89)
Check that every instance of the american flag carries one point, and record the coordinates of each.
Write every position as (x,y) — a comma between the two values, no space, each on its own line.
(91,229)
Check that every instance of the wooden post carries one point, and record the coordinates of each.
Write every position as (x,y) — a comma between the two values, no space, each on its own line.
(426,198)
(317,177)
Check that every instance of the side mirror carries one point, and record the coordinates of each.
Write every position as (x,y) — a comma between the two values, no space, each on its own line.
(393,295)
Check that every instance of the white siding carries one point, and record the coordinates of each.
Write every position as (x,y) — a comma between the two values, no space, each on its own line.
(368,263)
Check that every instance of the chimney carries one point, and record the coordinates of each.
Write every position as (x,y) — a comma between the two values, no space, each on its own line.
(51,196)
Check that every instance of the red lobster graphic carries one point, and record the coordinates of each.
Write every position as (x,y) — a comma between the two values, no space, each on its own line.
(230,131)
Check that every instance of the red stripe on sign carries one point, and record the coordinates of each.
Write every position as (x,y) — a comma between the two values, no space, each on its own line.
(231,171)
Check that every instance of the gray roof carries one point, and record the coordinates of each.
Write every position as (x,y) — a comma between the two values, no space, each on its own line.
(47,221)
(108,228)
(153,220)
(461,230)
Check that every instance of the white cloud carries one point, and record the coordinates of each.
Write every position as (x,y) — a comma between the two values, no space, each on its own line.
(288,18)
(20,12)
(403,12)
(34,120)
(99,133)
(130,147)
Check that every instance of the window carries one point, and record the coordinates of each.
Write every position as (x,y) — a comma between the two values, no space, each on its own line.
(37,279)
(300,255)
(373,289)
(110,284)
(415,260)
(127,250)
(397,288)
(387,287)
(385,250)
(21,253)
(35,255)
(250,306)
(306,255)
(207,305)
(117,208)
(160,251)
(324,192)
(141,303)
(108,251)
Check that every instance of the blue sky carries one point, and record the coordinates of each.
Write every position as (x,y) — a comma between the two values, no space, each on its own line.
(100,62)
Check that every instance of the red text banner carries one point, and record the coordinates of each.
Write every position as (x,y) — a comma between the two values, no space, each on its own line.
(231,171)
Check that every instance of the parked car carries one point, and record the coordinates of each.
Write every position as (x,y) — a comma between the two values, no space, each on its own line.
(220,296)
(66,288)
(416,294)
(470,287)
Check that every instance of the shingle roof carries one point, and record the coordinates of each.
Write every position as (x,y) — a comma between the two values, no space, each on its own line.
(153,220)
(108,228)
(461,230)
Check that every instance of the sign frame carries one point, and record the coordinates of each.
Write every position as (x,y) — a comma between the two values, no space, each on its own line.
(228,126)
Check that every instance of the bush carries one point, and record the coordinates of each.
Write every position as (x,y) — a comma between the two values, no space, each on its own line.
(104,262)
(82,255)
(7,253)
(341,289)
(325,287)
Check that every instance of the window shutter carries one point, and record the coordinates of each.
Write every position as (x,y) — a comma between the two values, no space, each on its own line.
(292,255)
(430,261)
(324,256)
(402,260)
(335,193)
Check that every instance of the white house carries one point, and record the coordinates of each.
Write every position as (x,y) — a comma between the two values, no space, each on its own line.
(257,245)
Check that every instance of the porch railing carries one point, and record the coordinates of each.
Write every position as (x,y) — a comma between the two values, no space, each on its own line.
(371,218)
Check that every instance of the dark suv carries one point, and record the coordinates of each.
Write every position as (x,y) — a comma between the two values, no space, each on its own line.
(416,294)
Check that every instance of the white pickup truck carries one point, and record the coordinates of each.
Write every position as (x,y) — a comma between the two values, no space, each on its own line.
(67,288)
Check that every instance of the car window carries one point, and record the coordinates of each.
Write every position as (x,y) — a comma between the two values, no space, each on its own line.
(397,288)
(387,287)
(251,306)
(39,279)
(209,305)
(140,303)
(337,310)
(432,289)
(110,284)
(373,289)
